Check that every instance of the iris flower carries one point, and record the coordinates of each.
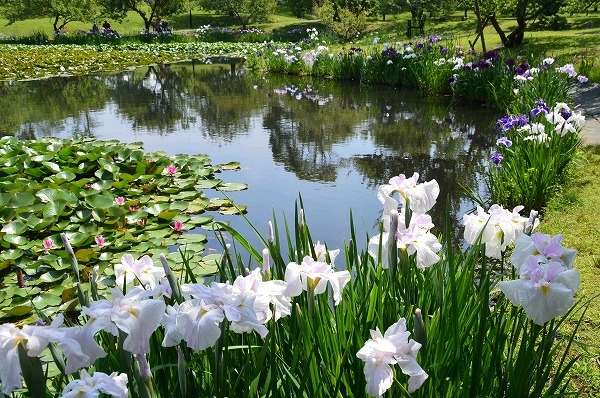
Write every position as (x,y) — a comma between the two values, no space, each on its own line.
(136,314)
(419,197)
(91,386)
(317,274)
(544,290)
(382,351)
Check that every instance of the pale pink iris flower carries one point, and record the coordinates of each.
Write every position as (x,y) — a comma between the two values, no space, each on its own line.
(420,197)
(136,313)
(544,290)
(382,351)
(91,386)
(316,273)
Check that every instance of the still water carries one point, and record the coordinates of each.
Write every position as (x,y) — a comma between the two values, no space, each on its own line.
(331,142)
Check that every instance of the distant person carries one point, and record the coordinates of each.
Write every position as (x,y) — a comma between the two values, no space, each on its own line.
(95,29)
(165,27)
(158,26)
(106,26)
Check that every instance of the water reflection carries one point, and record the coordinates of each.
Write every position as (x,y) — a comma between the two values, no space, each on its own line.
(332,142)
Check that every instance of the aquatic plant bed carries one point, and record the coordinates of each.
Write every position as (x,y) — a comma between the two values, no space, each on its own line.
(108,198)
(19,62)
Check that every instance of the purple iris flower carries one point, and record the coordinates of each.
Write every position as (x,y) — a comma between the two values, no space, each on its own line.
(420,46)
(497,158)
(504,141)
(565,113)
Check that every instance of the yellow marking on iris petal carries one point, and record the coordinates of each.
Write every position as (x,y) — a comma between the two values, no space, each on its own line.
(544,289)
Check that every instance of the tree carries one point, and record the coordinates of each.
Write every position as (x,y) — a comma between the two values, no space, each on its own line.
(148,10)
(245,11)
(300,7)
(385,7)
(345,22)
(524,11)
(60,11)
(586,6)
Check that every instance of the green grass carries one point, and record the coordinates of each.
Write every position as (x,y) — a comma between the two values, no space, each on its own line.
(574,213)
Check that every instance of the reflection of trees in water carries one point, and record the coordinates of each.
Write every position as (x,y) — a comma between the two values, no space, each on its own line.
(306,119)
(49,105)
(303,126)
(225,103)
(155,101)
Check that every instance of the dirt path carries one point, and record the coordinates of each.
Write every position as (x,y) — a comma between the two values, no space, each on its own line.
(587,100)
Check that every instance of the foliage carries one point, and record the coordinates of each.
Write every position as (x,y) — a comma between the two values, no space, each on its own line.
(246,11)
(344,22)
(108,198)
(43,61)
(534,155)
(60,11)
(315,328)
(149,11)
(300,8)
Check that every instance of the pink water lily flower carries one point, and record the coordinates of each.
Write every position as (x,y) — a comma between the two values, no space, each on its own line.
(171,169)
(177,226)
(120,200)
(48,244)
(100,241)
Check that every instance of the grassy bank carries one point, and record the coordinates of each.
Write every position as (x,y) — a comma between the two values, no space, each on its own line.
(574,213)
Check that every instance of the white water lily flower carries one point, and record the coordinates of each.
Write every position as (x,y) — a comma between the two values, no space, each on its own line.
(544,290)
(91,386)
(382,351)
(317,273)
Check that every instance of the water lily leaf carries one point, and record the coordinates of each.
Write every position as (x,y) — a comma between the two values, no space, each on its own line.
(201,220)
(16,227)
(21,200)
(216,203)
(16,240)
(78,238)
(52,276)
(64,176)
(11,254)
(85,255)
(186,195)
(100,201)
(33,172)
(18,310)
(230,166)
(232,186)
(192,238)
(54,209)
(239,209)
(157,208)
(108,166)
(104,185)
(52,166)
(209,265)
(180,206)
(168,215)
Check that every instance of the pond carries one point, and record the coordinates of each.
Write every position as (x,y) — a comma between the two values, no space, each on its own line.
(331,142)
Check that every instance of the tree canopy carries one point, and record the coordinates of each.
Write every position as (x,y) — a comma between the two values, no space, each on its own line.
(60,11)
(245,11)
(148,10)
